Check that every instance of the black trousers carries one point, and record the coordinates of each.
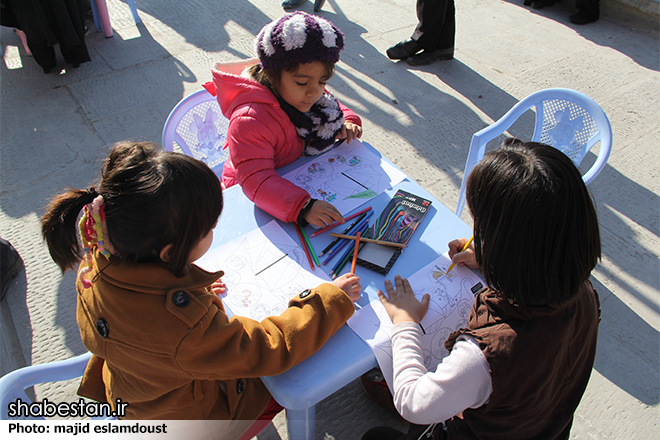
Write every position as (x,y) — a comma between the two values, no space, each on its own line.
(437,24)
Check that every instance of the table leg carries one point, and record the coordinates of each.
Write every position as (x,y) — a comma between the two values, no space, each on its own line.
(300,423)
(102,8)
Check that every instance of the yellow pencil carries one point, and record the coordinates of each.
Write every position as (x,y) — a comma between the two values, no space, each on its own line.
(462,250)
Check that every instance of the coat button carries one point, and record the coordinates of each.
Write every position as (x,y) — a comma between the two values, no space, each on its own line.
(103,328)
(305,293)
(240,386)
(181,298)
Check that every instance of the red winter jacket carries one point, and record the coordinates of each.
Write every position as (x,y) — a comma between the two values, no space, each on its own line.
(261,138)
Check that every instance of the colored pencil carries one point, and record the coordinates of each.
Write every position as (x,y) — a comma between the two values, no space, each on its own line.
(370,240)
(304,246)
(344,257)
(355,251)
(333,252)
(345,231)
(309,246)
(364,221)
(462,250)
(350,217)
(342,263)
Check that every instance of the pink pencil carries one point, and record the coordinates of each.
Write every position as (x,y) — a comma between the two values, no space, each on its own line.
(350,217)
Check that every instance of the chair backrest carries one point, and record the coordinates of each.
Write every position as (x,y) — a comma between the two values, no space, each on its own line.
(197,126)
(14,383)
(565,119)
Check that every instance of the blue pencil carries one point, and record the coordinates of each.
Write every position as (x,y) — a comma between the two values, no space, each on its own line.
(335,247)
(344,257)
(343,242)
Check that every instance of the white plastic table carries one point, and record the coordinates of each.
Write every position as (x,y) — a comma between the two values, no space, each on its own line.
(345,356)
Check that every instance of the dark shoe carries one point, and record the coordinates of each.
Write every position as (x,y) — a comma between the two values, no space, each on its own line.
(540,4)
(10,265)
(426,57)
(373,383)
(403,50)
(582,18)
(318,4)
(290,4)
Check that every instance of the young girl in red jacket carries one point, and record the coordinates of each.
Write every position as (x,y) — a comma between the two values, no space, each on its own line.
(279,110)
(522,363)
(158,332)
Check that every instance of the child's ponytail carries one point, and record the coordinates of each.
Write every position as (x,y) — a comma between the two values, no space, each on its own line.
(59,225)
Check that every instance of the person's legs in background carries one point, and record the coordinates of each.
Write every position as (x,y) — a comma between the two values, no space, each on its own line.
(433,36)
(435,32)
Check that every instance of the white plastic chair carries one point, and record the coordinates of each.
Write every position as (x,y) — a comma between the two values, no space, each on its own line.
(197,126)
(102,18)
(14,383)
(565,119)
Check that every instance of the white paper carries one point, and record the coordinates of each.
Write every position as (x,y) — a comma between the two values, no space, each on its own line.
(346,176)
(264,269)
(452,297)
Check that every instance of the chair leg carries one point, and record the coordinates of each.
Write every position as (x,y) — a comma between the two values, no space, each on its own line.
(300,423)
(131,4)
(21,34)
(101,17)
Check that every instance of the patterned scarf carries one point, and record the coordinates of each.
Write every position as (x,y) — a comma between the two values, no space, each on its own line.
(319,125)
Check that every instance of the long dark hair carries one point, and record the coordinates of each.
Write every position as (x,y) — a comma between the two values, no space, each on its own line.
(152,198)
(535,227)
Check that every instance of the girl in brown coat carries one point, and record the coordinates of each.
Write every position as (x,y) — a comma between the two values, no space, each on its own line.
(160,338)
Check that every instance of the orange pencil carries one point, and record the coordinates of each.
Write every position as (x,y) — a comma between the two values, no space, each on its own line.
(304,246)
(355,251)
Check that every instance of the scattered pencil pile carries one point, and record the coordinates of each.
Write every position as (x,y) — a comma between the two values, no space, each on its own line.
(352,234)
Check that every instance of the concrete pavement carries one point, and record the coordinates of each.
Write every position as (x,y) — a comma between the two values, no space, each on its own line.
(55,129)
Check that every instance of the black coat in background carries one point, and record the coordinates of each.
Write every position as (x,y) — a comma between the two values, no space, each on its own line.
(47,23)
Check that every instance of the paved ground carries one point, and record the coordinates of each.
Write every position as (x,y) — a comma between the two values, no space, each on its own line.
(55,130)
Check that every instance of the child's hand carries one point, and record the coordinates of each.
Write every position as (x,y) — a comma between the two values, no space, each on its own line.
(467,258)
(401,304)
(349,283)
(218,287)
(350,131)
(323,214)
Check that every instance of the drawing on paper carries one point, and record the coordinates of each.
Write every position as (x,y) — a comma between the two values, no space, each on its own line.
(451,299)
(264,269)
(346,176)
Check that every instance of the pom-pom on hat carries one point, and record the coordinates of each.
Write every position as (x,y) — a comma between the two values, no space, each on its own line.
(298,38)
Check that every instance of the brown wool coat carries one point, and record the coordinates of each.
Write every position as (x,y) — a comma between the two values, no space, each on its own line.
(165,346)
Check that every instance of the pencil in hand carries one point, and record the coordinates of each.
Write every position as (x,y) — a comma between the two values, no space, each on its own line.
(467,245)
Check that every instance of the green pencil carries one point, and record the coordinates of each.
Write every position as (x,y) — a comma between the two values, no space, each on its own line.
(309,245)
(342,264)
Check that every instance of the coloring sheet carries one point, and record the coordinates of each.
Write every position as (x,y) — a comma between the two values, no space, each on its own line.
(452,296)
(264,269)
(346,176)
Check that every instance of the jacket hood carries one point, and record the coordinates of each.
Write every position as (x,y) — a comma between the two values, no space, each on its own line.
(234,89)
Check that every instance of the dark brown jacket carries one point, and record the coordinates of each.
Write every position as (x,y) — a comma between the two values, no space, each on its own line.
(540,361)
